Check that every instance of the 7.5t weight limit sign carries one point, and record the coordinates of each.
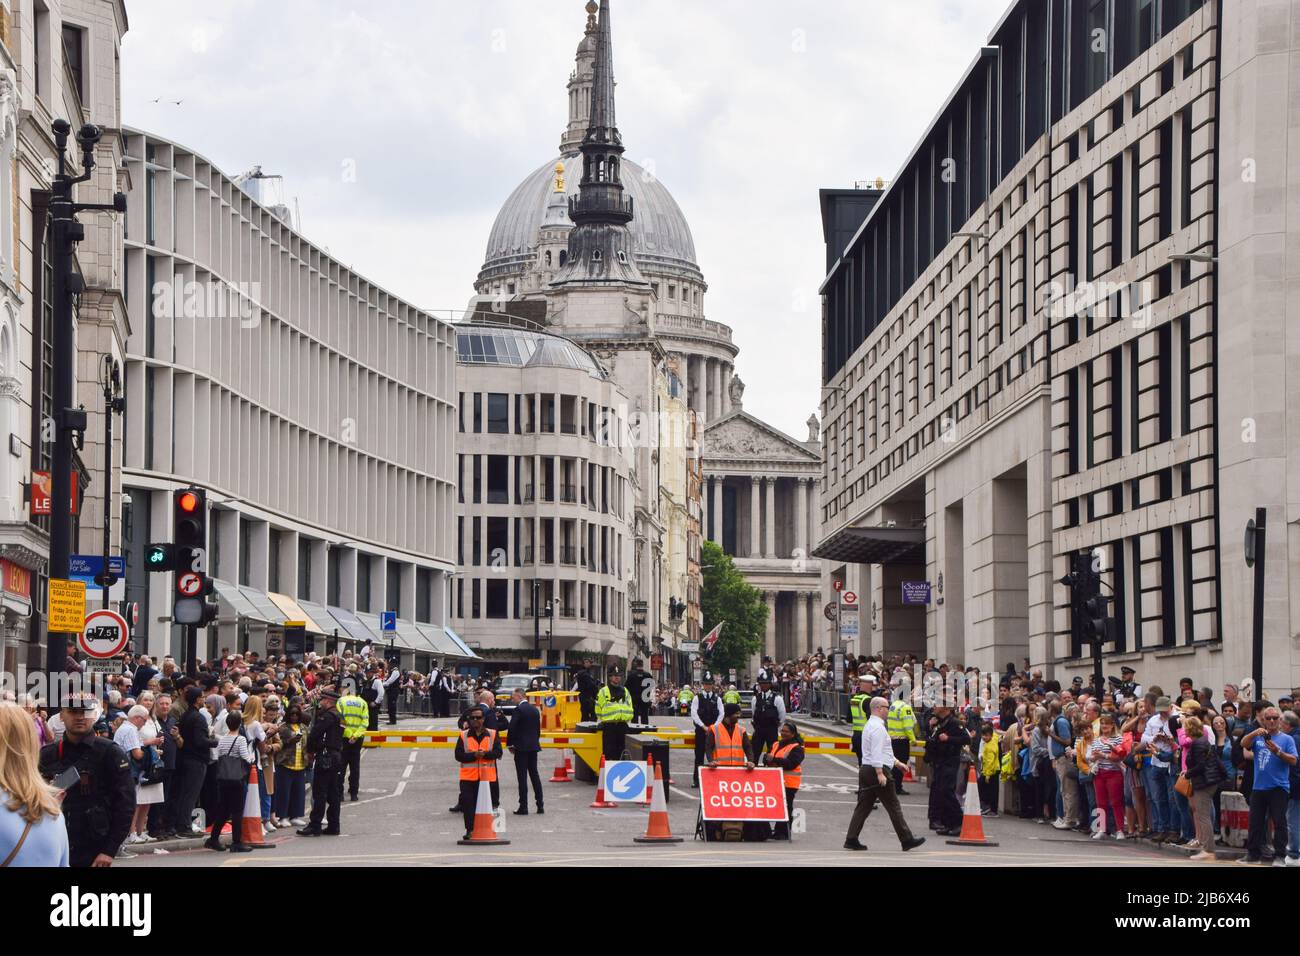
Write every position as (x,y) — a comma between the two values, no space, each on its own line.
(105,634)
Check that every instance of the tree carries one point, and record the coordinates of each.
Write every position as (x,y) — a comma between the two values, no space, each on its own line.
(726,596)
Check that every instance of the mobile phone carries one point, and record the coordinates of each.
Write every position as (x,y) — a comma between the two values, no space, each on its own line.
(67,779)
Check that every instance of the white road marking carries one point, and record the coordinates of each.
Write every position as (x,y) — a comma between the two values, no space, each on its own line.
(406,774)
(846,766)
(683,793)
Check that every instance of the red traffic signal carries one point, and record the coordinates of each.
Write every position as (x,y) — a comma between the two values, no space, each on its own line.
(187,501)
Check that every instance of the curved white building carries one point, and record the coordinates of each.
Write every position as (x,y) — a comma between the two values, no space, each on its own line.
(317,409)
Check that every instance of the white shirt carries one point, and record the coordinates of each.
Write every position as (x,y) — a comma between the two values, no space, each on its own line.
(695,710)
(1158,724)
(378,687)
(876,748)
(128,737)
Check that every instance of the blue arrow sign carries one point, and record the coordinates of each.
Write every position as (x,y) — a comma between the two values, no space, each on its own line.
(625,780)
(388,620)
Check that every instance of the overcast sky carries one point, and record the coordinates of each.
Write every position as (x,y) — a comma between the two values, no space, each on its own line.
(401,128)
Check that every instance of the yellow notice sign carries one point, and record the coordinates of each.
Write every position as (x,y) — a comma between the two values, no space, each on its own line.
(67,606)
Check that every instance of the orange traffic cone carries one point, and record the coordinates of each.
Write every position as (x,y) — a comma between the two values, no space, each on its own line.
(484,833)
(561,774)
(650,771)
(250,833)
(657,830)
(972,821)
(908,776)
(600,802)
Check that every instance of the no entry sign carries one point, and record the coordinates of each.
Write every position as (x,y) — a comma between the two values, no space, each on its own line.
(738,794)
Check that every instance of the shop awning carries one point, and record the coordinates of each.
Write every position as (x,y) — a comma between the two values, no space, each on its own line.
(874,546)
(464,648)
(356,631)
(293,611)
(262,605)
(321,615)
(231,596)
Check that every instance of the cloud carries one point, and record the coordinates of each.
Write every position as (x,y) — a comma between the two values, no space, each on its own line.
(439,109)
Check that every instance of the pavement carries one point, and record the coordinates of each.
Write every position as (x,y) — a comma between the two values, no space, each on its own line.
(402,819)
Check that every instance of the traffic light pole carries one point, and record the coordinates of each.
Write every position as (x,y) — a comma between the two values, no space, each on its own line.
(64,231)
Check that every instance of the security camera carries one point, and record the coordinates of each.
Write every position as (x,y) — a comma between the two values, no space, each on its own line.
(89,135)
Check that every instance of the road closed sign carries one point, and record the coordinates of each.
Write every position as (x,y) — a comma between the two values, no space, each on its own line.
(730,793)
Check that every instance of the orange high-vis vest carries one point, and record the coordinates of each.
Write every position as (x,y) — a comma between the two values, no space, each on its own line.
(791,778)
(479,769)
(728,748)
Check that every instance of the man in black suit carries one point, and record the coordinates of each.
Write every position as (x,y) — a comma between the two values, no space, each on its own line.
(524,737)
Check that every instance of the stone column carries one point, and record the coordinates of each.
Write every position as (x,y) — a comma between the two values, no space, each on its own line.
(769,640)
(800,622)
(684,373)
(701,386)
(801,516)
(726,389)
(769,506)
(715,386)
(755,542)
(715,513)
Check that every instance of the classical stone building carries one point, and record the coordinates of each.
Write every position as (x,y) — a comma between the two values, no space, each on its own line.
(1062,331)
(639,307)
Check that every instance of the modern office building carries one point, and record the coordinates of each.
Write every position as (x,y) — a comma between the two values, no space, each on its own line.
(58,60)
(316,409)
(1061,331)
(544,501)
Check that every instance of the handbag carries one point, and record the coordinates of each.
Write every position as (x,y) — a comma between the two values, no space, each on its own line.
(1183,785)
(150,767)
(231,768)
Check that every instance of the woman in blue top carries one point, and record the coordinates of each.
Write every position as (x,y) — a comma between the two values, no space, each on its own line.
(31,819)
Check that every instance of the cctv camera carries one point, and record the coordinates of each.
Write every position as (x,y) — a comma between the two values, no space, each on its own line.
(89,135)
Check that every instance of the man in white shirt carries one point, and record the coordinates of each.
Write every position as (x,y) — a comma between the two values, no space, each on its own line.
(392,687)
(875,781)
(377,687)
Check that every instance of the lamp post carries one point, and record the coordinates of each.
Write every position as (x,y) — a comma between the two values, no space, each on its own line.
(64,233)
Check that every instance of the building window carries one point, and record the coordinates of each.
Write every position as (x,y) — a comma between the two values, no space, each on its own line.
(41,51)
(363,582)
(333,576)
(478,413)
(393,587)
(498,413)
(424,595)
(304,568)
(74,53)
(595,255)
(496,598)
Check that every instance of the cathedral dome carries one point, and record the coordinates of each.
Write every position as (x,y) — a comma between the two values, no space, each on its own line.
(661,239)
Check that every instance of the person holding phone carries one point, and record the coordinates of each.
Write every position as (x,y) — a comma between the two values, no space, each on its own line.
(99,807)
(1273,753)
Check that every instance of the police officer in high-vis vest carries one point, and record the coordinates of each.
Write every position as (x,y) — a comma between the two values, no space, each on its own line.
(732,696)
(354,712)
(614,713)
(477,752)
(684,698)
(706,711)
(901,724)
(858,709)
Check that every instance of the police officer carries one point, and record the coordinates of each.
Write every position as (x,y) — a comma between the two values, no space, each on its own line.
(706,711)
(641,686)
(613,713)
(584,682)
(392,688)
(769,711)
(901,724)
(858,710)
(684,698)
(943,748)
(99,806)
(325,753)
(354,714)
(732,696)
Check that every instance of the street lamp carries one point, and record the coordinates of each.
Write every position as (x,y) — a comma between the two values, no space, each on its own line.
(64,233)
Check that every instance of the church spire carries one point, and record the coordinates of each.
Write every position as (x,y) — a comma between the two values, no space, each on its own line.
(600,245)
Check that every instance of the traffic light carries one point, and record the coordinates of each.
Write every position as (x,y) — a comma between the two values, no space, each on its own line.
(189,558)
(159,557)
(1099,626)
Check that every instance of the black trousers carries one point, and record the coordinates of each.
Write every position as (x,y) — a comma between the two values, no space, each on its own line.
(855,744)
(640,712)
(988,790)
(326,798)
(187,783)
(902,751)
(760,740)
(374,715)
(1267,805)
(945,809)
(614,735)
(228,808)
(469,800)
(587,706)
(701,736)
(782,830)
(352,764)
(525,770)
(869,791)
(392,708)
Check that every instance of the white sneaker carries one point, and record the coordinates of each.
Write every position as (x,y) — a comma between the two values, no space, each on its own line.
(145,838)
(1100,834)
(1060,824)
(131,838)
(1279,861)
(1293,861)
(1119,835)
(298,822)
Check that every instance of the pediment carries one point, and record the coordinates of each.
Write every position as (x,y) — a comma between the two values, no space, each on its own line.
(742,436)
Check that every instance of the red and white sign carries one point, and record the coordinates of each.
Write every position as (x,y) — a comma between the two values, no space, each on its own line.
(134,612)
(104,635)
(189,584)
(41,488)
(734,793)
(850,597)
(838,585)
